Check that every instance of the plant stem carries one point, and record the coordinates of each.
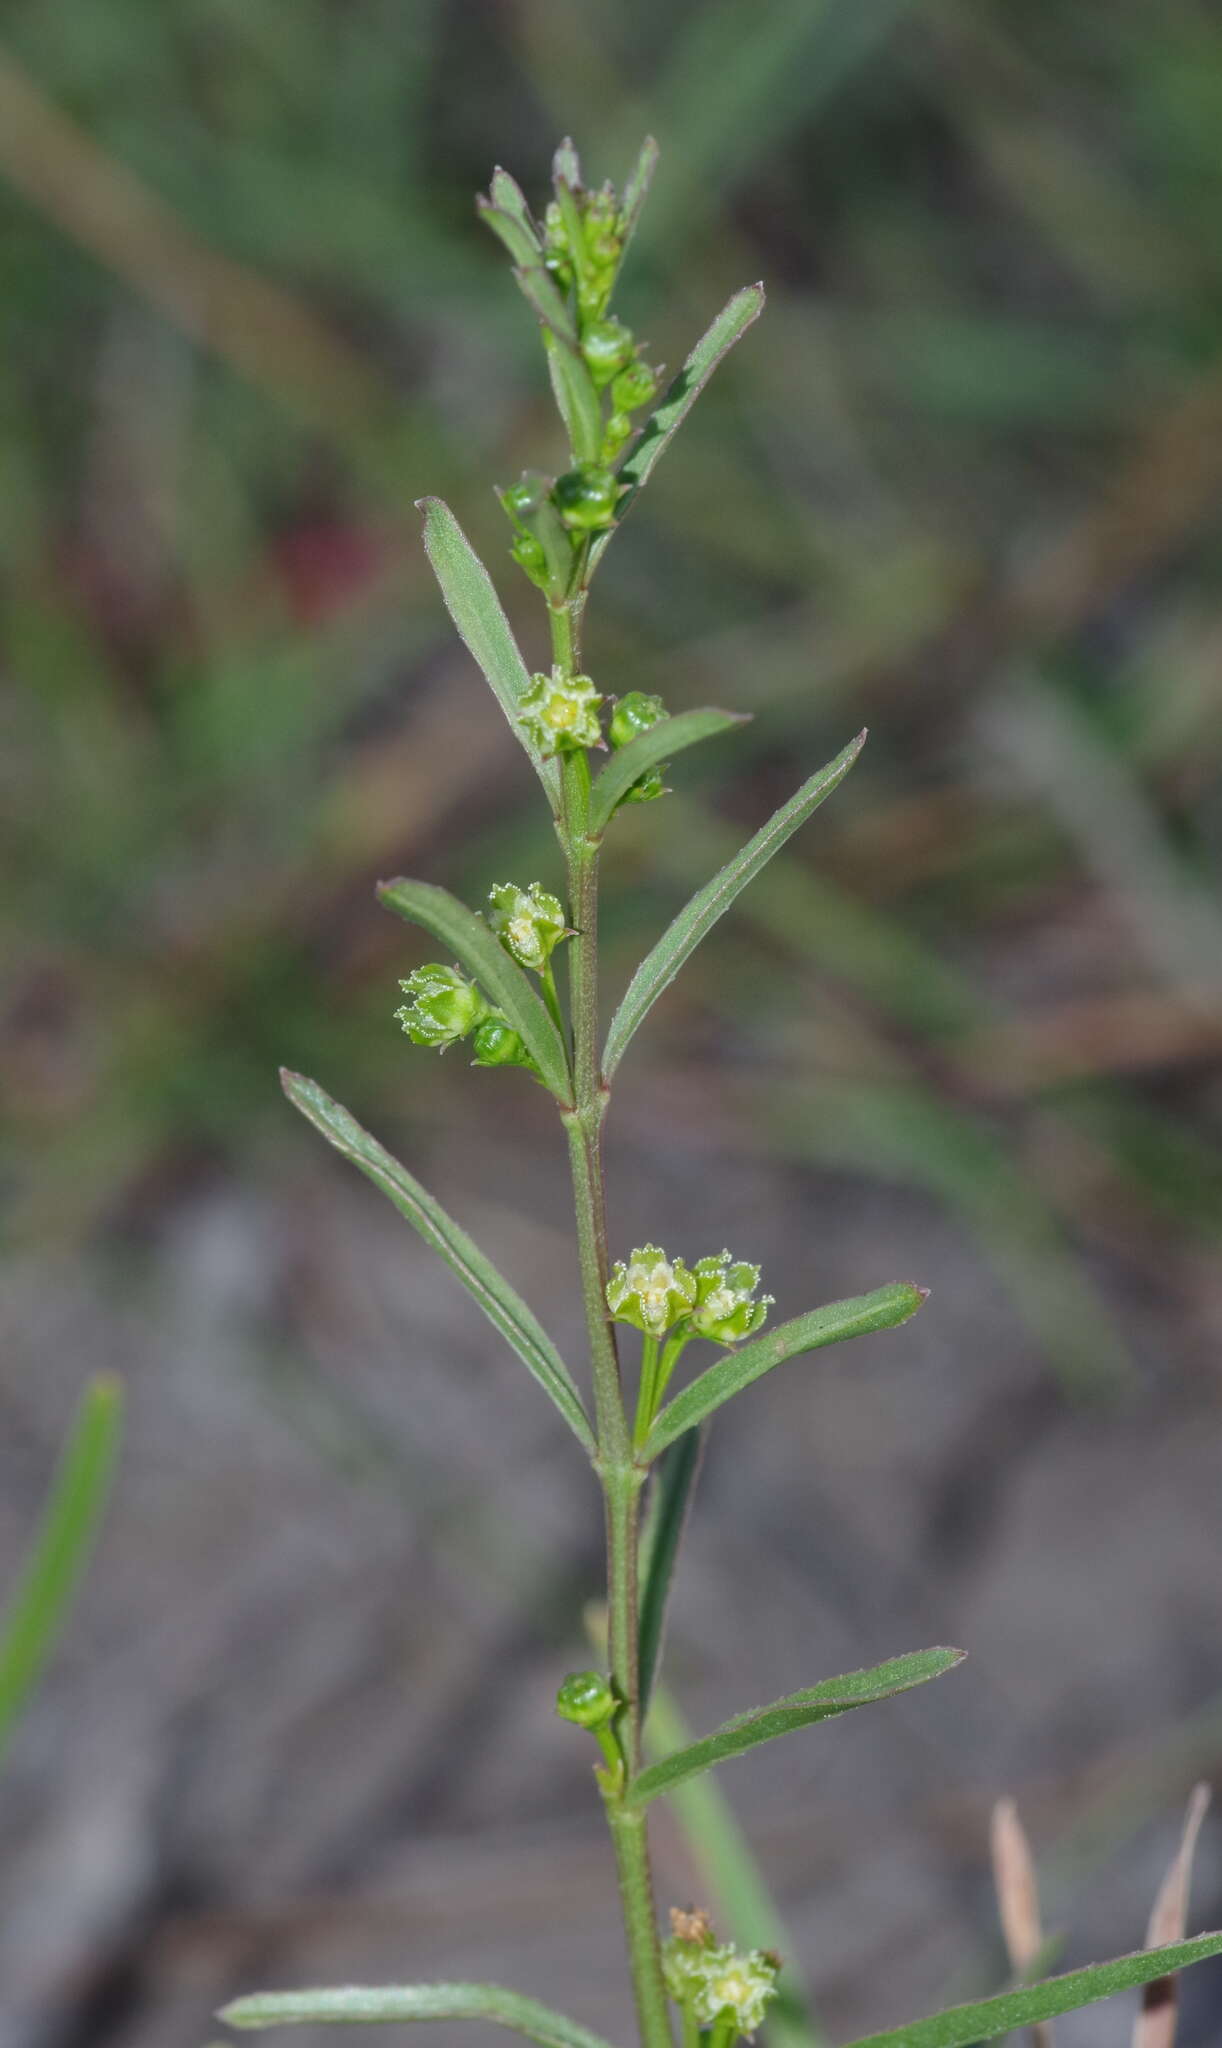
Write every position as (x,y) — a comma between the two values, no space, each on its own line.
(621,1477)
(647,1399)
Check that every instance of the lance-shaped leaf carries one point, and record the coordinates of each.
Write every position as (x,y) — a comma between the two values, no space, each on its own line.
(482,954)
(566,164)
(670,1502)
(1156,2022)
(681,938)
(39,1607)
(797,1710)
(681,395)
(477,612)
(637,188)
(508,197)
(576,398)
(962,2025)
(539,286)
(884,1309)
(401,2003)
(502,1305)
(517,235)
(668,737)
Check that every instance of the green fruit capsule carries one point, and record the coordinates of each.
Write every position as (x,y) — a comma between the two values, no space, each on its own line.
(586,1698)
(497,1044)
(586,499)
(607,346)
(636,385)
(634,713)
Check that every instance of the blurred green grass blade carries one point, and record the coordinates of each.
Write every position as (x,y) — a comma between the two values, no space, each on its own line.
(731,1878)
(636,191)
(680,939)
(484,957)
(650,749)
(476,610)
(501,1303)
(964,2024)
(885,1309)
(576,399)
(681,395)
(673,1485)
(39,1607)
(400,2003)
(820,1702)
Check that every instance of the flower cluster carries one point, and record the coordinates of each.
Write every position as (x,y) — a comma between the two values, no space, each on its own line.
(444,1006)
(560,712)
(716,1298)
(713,1981)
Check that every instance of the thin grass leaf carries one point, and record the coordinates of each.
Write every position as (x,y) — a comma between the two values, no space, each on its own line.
(797,1710)
(401,2003)
(501,1303)
(885,1309)
(647,750)
(731,1879)
(477,612)
(1018,1901)
(576,398)
(962,2025)
(673,1485)
(681,938)
(681,395)
(40,1605)
(1155,2024)
(636,190)
(484,957)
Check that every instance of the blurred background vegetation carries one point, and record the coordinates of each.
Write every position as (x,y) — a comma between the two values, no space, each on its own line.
(961,485)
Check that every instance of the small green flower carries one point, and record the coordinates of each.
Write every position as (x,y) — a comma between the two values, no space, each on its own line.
(586,1698)
(651,1292)
(444,1006)
(726,1308)
(736,1982)
(497,1044)
(529,923)
(561,712)
(586,499)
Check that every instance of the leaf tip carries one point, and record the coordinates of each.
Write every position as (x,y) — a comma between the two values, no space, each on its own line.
(924,1292)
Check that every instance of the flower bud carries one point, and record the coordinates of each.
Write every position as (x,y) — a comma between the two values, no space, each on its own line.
(561,712)
(586,1698)
(616,431)
(557,255)
(444,1006)
(633,714)
(635,386)
(726,1309)
(650,1292)
(497,1044)
(529,923)
(586,499)
(607,346)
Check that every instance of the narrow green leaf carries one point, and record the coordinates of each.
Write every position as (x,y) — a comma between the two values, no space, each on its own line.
(637,189)
(672,1487)
(576,398)
(476,610)
(539,286)
(518,236)
(681,395)
(484,957)
(962,2025)
(669,736)
(566,164)
(797,1710)
(681,938)
(884,1309)
(502,1305)
(508,197)
(399,2003)
(40,1604)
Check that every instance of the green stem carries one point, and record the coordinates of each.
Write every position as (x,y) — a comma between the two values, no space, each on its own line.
(547,981)
(691,2028)
(647,1398)
(669,1360)
(621,1477)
